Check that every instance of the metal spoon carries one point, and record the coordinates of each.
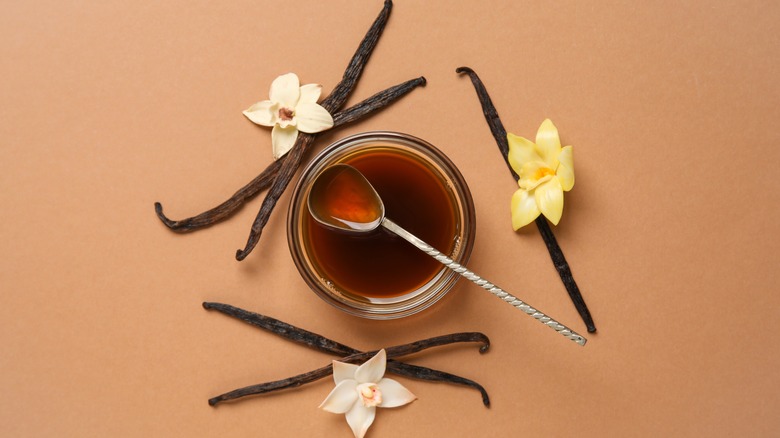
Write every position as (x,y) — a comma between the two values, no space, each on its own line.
(341,198)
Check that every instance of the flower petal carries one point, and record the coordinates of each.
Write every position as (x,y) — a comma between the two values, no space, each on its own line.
(310,93)
(283,140)
(548,143)
(373,369)
(311,118)
(524,209)
(342,398)
(394,394)
(262,113)
(549,198)
(534,173)
(521,151)
(343,371)
(565,170)
(285,90)
(360,418)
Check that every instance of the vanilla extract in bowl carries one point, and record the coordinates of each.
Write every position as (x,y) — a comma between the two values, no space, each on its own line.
(382,265)
(380,275)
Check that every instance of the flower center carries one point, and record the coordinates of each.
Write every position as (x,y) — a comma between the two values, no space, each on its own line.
(286,114)
(370,395)
(542,172)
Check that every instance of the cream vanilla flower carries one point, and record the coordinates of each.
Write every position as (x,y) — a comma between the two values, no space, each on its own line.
(546,170)
(361,389)
(290,108)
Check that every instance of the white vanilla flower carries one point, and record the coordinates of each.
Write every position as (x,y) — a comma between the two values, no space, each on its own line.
(361,389)
(290,108)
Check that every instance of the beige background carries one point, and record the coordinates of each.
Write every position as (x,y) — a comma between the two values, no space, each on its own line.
(671,229)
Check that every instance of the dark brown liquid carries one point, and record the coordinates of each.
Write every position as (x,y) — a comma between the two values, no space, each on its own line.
(381,264)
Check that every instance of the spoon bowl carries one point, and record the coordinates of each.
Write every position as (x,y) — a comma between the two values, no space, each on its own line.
(341,198)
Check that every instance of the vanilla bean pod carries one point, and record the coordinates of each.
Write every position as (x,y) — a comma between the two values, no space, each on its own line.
(377,101)
(491,116)
(343,89)
(332,103)
(283,178)
(283,329)
(321,343)
(434,375)
(279,173)
(562,266)
(262,181)
(319,373)
(556,254)
(276,385)
(225,209)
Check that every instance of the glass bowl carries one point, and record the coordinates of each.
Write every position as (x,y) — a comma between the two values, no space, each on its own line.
(376,277)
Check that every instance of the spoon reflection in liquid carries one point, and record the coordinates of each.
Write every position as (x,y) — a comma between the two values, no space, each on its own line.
(341,198)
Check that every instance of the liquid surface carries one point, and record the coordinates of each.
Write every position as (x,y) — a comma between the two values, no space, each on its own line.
(341,197)
(380,264)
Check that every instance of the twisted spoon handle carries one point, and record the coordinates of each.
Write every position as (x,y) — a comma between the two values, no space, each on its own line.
(488,286)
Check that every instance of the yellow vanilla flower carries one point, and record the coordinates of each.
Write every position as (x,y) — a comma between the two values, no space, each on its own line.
(546,170)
